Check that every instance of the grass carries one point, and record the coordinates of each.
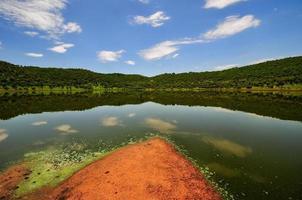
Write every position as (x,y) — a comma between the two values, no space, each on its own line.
(285,88)
(100,89)
(42,90)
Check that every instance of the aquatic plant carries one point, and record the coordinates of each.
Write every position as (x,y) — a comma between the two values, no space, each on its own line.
(54,165)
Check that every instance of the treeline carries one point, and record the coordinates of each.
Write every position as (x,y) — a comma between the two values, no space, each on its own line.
(272,74)
(269,74)
(27,76)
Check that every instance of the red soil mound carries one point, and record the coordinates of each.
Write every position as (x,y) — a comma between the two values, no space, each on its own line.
(10,179)
(149,170)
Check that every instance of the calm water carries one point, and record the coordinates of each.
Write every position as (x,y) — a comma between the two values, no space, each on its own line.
(252,142)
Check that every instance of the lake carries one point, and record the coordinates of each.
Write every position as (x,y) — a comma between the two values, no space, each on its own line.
(251,141)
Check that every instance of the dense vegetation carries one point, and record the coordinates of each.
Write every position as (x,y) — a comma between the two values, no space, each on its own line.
(19,76)
(268,74)
(272,74)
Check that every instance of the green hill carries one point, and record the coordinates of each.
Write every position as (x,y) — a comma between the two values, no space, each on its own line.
(268,74)
(27,76)
(284,73)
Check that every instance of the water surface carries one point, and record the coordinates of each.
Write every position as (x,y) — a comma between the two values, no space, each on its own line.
(251,141)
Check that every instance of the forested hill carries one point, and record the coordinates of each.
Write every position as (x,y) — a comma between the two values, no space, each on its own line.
(279,73)
(27,76)
(276,73)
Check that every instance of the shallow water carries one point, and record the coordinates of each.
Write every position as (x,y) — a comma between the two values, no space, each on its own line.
(251,141)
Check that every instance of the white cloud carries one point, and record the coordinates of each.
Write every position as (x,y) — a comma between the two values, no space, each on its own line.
(0,45)
(165,48)
(231,26)
(175,55)
(262,60)
(65,129)
(219,4)
(224,67)
(3,134)
(110,56)
(159,51)
(155,20)
(111,122)
(35,55)
(45,16)
(160,125)
(72,27)
(130,62)
(61,47)
(144,1)
(39,123)
(31,33)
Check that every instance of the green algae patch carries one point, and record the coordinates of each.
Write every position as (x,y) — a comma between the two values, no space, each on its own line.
(57,163)
(54,165)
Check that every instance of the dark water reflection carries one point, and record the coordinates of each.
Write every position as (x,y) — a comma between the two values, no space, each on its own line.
(251,141)
(287,107)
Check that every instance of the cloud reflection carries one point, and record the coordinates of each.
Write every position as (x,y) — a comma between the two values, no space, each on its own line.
(257,178)
(111,122)
(223,170)
(66,129)
(160,125)
(219,109)
(39,123)
(131,115)
(3,134)
(227,146)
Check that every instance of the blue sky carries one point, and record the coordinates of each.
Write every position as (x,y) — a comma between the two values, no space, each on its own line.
(149,36)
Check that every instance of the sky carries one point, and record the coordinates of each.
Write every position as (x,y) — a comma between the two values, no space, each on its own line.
(149,37)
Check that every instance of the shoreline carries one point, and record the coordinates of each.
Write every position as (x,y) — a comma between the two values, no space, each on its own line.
(67,90)
(152,169)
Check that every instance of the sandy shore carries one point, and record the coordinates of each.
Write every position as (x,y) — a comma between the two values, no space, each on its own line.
(149,170)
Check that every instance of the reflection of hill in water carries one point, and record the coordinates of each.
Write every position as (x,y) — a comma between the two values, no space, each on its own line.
(273,105)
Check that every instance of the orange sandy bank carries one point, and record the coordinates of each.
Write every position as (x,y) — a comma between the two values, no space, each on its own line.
(10,179)
(149,170)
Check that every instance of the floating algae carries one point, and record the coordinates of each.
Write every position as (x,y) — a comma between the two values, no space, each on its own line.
(54,165)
